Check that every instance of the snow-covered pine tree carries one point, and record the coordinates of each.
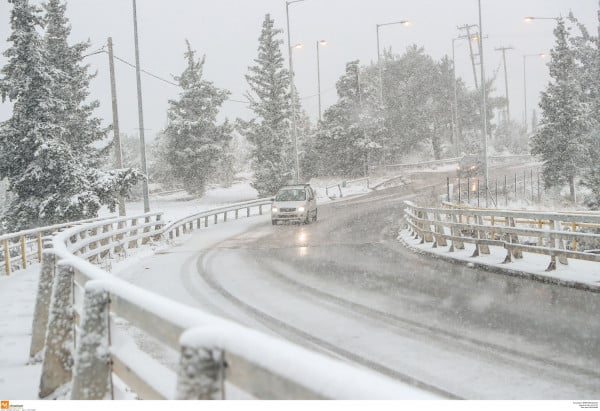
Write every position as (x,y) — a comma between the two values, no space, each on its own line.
(50,182)
(195,143)
(352,129)
(561,137)
(80,127)
(269,132)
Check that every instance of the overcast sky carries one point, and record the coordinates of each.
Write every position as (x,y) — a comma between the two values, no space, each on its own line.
(227,32)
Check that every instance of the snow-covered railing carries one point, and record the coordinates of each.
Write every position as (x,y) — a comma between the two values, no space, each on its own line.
(548,233)
(186,224)
(453,160)
(346,183)
(84,344)
(21,249)
(95,242)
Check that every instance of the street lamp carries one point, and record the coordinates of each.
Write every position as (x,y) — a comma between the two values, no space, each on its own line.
(529,19)
(292,89)
(405,23)
(525,56)
(140,113)
(319,43)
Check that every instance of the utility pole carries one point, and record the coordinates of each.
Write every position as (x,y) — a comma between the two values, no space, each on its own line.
(469,37)
(456,126)
(503,50)
(115,115)
(140,113)
(292,88)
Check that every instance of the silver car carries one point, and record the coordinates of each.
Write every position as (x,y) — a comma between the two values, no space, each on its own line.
(295,203)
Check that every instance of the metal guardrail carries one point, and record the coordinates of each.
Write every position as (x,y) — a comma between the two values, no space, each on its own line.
(81,343)
(21,249)
(547,233)
(346,183)
(186,224)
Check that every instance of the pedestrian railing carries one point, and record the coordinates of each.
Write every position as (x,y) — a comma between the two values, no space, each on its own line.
(23,248)
(558,235)
(80,329)
(196,221)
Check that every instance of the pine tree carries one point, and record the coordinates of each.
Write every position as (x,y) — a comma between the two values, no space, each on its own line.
(80,128)
(561,137)
(50,181)
(269,132)
(196,144)
(352,129)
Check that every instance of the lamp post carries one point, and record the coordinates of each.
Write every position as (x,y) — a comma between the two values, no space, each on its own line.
(483,108)
(402,22)
(292,89)
(529,19)
(319,43)
(140,113)
(525,56)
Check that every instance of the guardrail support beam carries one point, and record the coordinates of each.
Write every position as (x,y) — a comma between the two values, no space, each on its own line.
(91,379)
(42,304)
(200,374)
(58,358)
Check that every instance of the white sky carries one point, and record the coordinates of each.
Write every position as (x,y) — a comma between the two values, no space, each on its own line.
(227,32)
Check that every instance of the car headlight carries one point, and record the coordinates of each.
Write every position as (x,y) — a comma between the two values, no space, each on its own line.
(274,209)
(301,209)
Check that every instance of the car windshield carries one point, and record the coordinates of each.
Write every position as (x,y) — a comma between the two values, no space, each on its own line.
(291,195)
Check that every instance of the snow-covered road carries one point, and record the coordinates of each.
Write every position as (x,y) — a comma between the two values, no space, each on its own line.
(346,287)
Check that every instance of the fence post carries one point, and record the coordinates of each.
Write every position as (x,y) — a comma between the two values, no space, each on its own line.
(38,239)
(260,209)
(247,211)
(216,217)
(23,252)
(91,379)
(42,303)
(225,216)
(483,248)
(459,193)
(205,221)
(200,372)
(439,229)
(133,243)
(6,256)
(448,188)
(58,358)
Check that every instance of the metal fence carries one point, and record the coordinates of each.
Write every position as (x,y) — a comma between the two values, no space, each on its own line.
(526,187)
(558,235)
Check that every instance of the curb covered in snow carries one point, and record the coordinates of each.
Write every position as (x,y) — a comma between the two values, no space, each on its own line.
(498,269)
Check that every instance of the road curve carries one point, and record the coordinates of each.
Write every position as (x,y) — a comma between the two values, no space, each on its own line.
(345,286)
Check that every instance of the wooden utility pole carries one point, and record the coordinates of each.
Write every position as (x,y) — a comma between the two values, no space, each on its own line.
(115,114)
(503,50)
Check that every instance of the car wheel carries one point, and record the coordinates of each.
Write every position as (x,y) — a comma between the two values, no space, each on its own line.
(307,219)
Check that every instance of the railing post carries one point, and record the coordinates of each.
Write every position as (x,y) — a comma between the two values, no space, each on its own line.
(58,357)
(260,209)
(236,214)
(91,379)
(42,303)
(225,216)
(38,238)
(216,217)
(247,211)
(133,243)
(198,223)
(206,221)
(200,373)
(483,248)
(23,252)
(6,256)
